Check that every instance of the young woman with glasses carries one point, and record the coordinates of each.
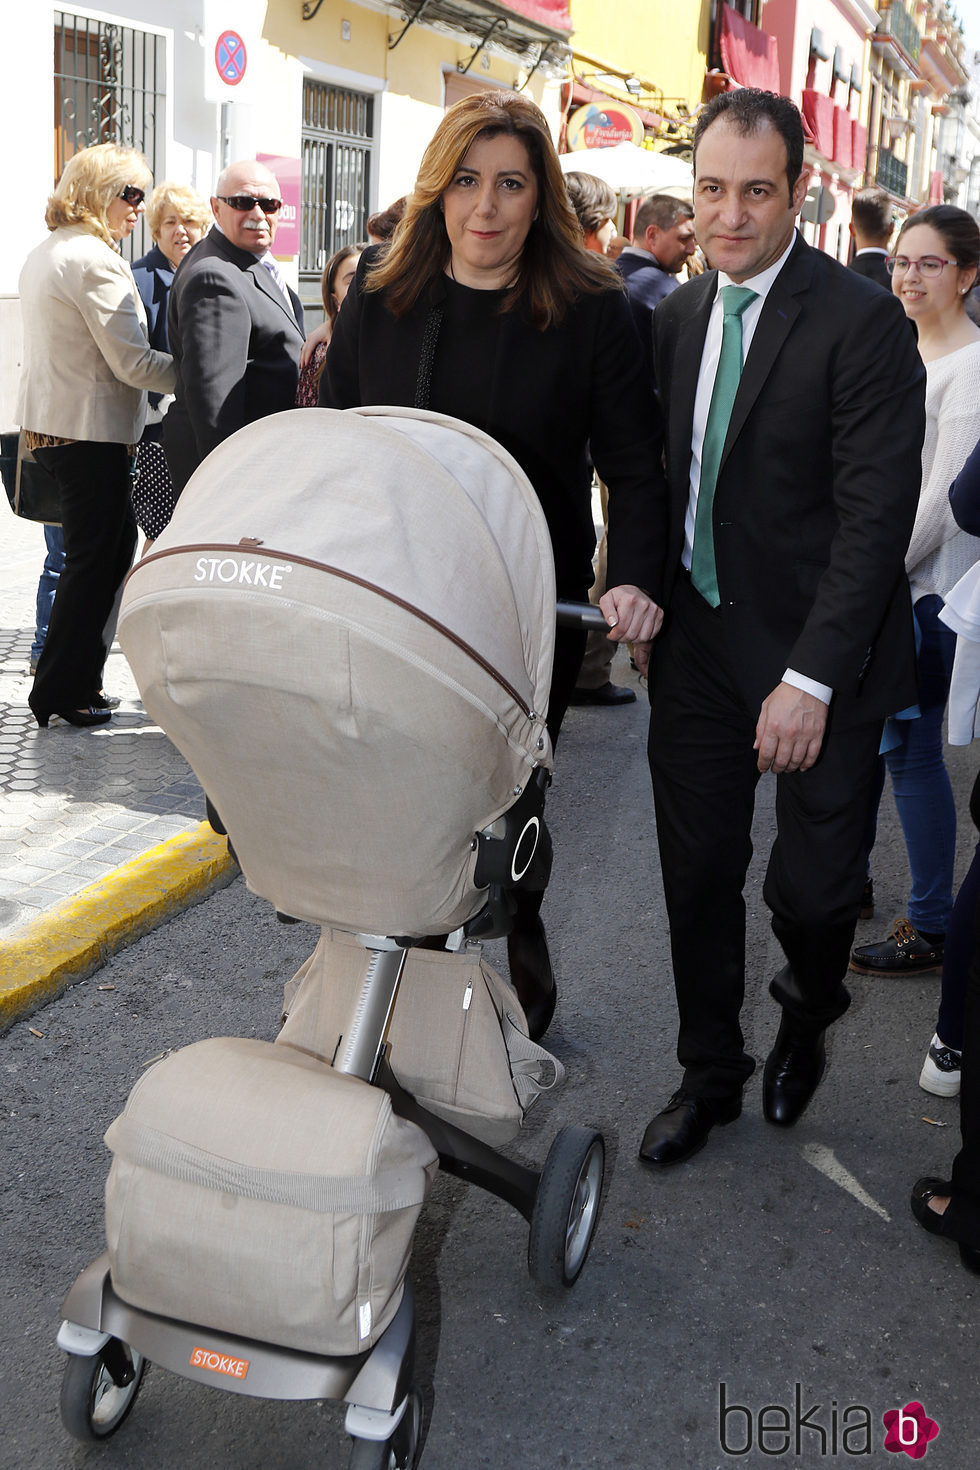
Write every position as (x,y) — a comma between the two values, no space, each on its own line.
(932,271)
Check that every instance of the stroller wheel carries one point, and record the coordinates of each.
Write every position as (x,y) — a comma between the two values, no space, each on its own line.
(566,1207)
(93,1401)
(401,1451)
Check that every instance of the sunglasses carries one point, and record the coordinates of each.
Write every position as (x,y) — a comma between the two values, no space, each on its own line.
(245,202)
(132,195)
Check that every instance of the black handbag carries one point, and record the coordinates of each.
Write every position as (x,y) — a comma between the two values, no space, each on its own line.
(33,492)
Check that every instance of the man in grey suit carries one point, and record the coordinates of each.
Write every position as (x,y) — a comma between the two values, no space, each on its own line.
(236,329)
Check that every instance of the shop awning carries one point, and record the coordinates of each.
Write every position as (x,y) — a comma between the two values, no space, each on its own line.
(533,33)
(551,13)
(749,56)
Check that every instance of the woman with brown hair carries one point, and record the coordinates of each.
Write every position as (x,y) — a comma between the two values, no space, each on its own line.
(87,368)
(334,285)
(934,267)
(487,307)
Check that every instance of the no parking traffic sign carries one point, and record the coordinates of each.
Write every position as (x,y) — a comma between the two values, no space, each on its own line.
(232,50)
(231,58)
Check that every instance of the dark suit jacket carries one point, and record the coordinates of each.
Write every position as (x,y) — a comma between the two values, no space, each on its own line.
(872,266)
(236,347)
(154,275)
(647,285)
(818,484)
(542,395)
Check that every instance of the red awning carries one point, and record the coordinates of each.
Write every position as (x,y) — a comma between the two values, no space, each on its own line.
(859,144)
(936,195)
(749,56)
(843,137)
(818,110)
(552,13)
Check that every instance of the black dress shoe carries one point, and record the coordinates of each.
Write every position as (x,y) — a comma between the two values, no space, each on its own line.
(792,1073)
(923,1190)
(683,1127)
(532,977)
(608,693)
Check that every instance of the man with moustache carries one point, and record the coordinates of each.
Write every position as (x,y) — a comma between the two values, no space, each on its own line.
(236,329)
(793,483)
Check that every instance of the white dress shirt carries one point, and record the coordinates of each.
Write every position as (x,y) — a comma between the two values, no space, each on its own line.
(761,285)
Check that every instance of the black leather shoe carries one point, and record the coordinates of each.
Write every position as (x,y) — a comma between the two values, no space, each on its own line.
(792,1073)
(532,977)
(608,693)
(683,1127)
(923,1190)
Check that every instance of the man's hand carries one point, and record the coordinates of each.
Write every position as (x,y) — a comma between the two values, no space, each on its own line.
(634,618)
(790,730)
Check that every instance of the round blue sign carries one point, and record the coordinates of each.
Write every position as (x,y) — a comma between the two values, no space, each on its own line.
(230,58)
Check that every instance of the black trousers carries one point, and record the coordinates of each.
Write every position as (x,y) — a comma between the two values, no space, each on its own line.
(962,1217)
(100,538)
(704,779)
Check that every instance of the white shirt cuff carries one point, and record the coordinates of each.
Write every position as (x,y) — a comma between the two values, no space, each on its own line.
(823,692)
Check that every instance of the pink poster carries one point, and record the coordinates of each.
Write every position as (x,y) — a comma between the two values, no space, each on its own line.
(289,173)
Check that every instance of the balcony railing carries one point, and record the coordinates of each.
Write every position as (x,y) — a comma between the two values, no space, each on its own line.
(898,23)
(891,173)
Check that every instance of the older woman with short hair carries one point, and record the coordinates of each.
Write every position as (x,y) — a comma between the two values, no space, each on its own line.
(486,306)
(177,217)
(87,368)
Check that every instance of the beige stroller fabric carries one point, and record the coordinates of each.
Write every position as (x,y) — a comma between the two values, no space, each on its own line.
(256,1191)
(458,1036)
(348,630)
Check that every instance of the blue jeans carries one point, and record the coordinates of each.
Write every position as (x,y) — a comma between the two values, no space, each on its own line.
(923,795)
(47,586)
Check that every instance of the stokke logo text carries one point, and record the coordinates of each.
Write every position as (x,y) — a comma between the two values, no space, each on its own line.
(218,1363)
(230,569)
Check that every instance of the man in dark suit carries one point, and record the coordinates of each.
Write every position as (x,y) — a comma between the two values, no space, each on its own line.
(663,243)
(788,636)
(871,230)
(236,329)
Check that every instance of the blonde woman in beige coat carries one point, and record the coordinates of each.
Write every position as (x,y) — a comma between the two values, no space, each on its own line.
(87,369)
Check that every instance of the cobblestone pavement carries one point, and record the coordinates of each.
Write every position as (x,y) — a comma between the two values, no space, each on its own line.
(74,804)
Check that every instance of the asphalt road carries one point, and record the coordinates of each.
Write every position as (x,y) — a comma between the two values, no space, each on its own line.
(780,1269)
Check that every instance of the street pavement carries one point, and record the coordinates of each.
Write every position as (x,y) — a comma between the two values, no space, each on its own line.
(771,1300)
(100,830)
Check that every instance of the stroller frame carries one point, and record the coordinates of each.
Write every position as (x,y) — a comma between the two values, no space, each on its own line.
(109,1342)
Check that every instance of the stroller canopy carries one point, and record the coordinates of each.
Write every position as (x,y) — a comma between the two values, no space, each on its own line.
(348,630)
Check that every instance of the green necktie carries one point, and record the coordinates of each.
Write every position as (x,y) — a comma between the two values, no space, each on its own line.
(734,300)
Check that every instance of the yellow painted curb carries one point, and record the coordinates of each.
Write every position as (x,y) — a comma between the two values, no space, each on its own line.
(70,941)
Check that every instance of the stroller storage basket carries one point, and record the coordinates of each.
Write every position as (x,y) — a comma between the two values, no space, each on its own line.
(257,1192)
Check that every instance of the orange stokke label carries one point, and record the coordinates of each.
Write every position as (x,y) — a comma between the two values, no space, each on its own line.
(219,1363)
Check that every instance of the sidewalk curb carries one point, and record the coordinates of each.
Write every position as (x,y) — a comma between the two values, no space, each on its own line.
(69,942)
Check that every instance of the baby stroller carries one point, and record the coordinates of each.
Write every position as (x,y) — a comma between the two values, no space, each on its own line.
(348,631)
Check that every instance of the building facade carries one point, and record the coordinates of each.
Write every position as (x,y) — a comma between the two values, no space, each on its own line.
(342,97)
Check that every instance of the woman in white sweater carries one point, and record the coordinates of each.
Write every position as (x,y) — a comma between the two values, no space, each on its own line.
(87,368)
(933,268)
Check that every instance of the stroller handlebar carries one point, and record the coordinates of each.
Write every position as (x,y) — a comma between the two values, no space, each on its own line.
(580,615)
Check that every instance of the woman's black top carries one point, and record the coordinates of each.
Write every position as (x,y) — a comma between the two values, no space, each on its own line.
(551,398)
